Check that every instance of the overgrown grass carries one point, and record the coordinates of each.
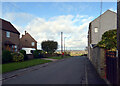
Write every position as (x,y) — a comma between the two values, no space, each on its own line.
(20,65)
(59,57)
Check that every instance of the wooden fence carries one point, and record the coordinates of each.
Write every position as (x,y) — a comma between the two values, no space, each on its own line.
(111,67)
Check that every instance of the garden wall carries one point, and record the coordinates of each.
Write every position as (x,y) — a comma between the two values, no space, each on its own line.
(98,60)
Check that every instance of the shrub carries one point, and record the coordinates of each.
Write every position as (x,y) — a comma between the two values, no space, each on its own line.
(24,53)
(6,56)
(18,57)
(67,53)
(38,53)
(49,46)
(109,40)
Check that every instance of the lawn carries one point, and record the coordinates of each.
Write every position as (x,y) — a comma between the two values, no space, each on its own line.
(59,57)
(20,65)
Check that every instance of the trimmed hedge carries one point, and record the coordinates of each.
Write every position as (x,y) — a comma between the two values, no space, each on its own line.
(6,56)
(38,54)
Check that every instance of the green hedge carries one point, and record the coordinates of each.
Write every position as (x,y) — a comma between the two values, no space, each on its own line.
(6,56)
(24,53)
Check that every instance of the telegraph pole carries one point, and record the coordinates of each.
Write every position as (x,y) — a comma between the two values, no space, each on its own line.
(118,42)
(61,42)
(64,44)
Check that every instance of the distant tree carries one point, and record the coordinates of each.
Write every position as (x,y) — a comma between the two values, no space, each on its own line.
(109,40)
(49,46)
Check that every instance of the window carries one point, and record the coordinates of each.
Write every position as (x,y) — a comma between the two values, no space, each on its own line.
(96,29)
(33,43)
(14,48)
(8,34)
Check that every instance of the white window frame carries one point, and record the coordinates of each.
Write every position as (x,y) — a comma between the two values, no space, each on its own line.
(33,43)
(7,34)
(96,29)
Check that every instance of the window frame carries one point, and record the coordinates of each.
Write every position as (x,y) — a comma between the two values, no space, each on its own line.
(96,29)
(7,34)
(33,43)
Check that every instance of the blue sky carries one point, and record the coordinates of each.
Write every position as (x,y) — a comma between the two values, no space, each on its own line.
(48,9)
(48,19)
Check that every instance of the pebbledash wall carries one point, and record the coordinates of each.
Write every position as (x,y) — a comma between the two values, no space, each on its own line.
(107,21)
(98,60)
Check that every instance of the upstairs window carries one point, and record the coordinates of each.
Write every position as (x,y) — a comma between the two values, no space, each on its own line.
(7,34)
(33,43)
(96,29)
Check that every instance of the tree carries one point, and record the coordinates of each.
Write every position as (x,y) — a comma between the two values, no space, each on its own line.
(109,40)
(49,46)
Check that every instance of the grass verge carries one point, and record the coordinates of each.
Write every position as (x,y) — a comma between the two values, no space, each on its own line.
(59,57)
(20,65)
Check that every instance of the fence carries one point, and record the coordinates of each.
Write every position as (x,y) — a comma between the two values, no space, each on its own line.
(111,67)
(105,63)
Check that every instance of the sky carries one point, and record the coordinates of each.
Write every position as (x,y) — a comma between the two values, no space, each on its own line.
(46,20)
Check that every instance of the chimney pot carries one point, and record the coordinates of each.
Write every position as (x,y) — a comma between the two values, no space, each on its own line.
(25,32)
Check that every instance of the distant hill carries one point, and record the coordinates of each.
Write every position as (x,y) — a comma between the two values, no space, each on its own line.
(75,52)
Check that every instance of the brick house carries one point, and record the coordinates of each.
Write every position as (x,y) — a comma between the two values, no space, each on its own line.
(10,36)
(27,41)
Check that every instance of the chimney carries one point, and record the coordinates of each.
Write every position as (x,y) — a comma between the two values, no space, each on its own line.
(25,32)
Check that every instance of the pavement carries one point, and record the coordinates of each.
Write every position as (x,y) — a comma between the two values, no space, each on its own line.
(74,70)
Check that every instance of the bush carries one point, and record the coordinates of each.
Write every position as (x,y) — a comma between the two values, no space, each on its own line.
(38,54)
(109,40)
(24,53)
(6,56)
(67,53)
(18,57)
(49,46)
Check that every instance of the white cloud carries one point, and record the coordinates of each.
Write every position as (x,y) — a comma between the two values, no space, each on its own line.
(18,18)
(73,27)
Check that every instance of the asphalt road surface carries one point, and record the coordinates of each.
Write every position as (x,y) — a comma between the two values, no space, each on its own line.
(74,70)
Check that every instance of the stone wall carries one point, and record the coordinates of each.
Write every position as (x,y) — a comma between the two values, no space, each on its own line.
(98,60)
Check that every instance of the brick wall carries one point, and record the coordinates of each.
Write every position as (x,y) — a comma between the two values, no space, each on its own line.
(26,40)
(14,38)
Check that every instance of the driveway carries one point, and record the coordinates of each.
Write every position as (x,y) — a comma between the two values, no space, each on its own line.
(74,70)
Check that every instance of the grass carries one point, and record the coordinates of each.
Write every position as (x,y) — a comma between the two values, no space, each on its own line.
(59,57)
(20,65)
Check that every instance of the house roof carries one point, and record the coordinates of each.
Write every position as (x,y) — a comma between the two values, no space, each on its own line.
(31,37)
(26,33)
(7,26)
(103,14)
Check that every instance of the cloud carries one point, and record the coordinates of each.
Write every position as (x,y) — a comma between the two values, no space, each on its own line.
(74,27)
(18,18)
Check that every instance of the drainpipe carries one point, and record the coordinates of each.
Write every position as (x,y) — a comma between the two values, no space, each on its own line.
(118,42)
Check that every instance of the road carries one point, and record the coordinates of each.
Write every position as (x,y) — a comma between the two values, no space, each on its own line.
(74,70)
